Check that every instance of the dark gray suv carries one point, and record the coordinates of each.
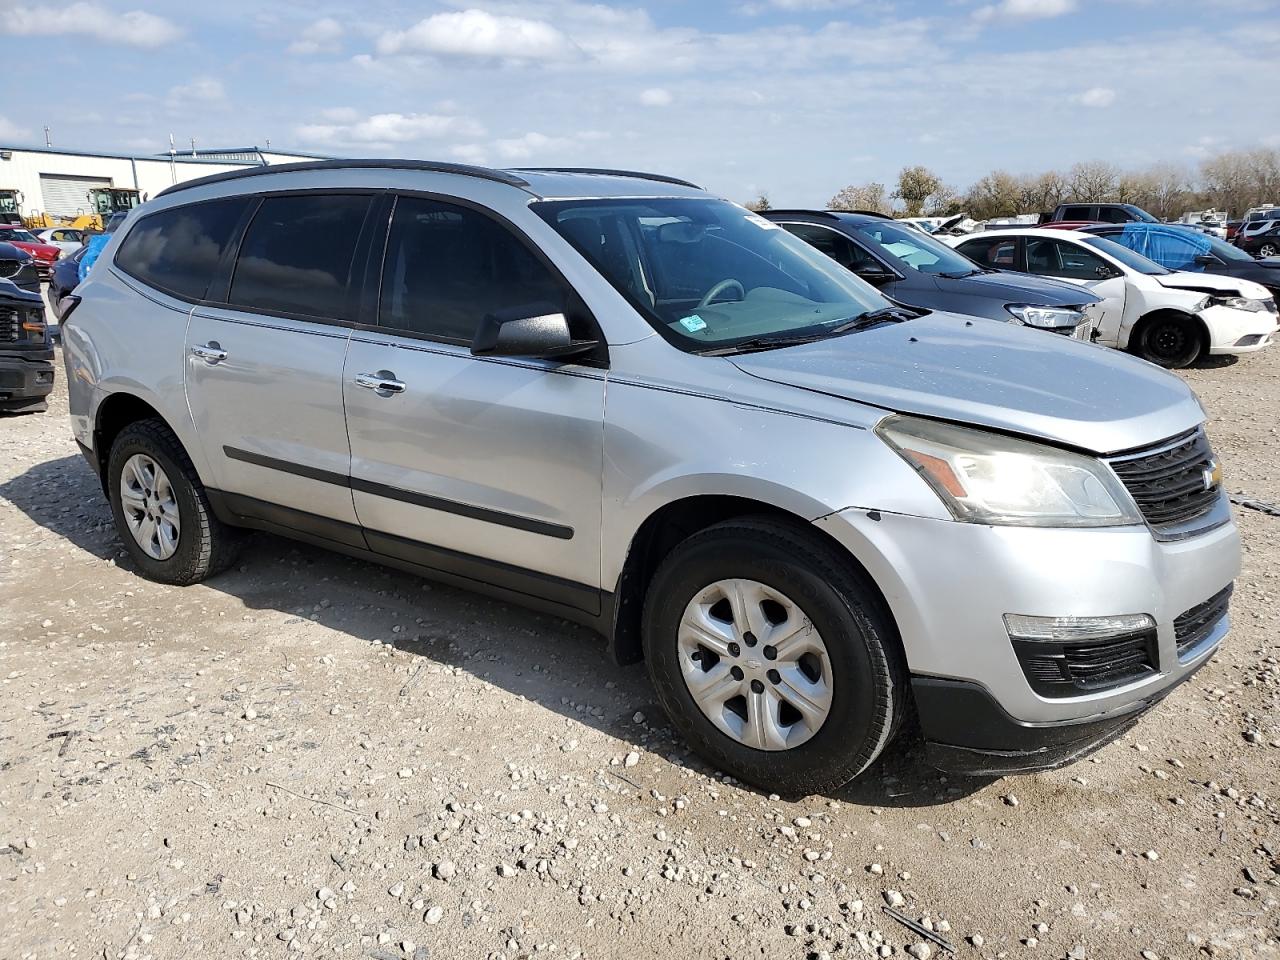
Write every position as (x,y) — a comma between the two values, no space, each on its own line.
(911,267)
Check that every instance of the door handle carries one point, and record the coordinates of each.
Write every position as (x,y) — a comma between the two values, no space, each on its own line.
(383,382)
(210,352)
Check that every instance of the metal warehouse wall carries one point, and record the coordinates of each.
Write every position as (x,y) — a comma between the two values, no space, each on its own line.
(23,169)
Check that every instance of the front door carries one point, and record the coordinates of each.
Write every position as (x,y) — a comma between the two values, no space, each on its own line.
(264,372)
(1065,260)
(486,468)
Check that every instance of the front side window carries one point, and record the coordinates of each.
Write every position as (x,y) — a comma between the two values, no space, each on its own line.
(1059,258)
(178,250)
(918,251)
(709,275)
(448,266)
(296,255)
(1132,260)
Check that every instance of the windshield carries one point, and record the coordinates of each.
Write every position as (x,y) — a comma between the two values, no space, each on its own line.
(20,235)
(708,274)
(8,205)
(1226,250)
(1134,261)
(916,250)
(1140,214)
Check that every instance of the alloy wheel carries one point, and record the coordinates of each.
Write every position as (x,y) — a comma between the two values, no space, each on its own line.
(755,665)
(150,506)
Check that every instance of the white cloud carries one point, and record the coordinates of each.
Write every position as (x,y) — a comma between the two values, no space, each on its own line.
(477,33)
(200,92)
(469,153)
(323,36)
(135,28)
(531,145)
(385,129)
(656,97)
(11,131)
(796,6)
(1096,97)
(1024,10)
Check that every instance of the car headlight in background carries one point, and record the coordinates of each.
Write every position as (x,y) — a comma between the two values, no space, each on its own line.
(1239,303)
(989,478)
(1047,318)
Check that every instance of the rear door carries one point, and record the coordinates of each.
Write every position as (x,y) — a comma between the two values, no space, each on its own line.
(264,363)
(488,468)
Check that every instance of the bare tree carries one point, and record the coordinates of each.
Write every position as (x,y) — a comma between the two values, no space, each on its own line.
(868,196)
(916,185)
(943,202)
(1093,181)
(760,204)
(998,194)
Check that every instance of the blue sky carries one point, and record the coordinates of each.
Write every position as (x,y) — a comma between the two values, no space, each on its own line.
(795,97)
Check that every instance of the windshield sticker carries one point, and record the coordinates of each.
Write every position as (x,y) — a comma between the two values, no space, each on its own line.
(761,222)
(693,323)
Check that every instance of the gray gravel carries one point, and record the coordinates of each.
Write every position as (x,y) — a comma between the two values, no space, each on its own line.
(312,756)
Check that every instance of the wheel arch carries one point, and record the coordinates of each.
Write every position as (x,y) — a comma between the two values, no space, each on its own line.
(1151,315)
(670,524)
(116,411)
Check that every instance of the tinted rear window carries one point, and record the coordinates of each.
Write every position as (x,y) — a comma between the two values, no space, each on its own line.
(296,255)
(178,250)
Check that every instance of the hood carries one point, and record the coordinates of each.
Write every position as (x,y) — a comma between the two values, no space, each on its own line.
(1018,288)
(1214,284)
(44,251)
(992,374)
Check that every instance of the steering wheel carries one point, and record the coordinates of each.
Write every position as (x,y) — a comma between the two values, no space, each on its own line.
(720,288)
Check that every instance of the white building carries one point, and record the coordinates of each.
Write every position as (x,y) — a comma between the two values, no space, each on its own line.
(57,181)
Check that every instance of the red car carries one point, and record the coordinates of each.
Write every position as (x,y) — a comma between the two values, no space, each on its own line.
(45,254)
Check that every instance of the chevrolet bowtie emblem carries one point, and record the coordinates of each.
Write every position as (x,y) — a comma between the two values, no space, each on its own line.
(1211,475)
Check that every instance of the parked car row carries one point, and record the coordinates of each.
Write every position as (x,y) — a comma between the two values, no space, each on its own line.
(812,505)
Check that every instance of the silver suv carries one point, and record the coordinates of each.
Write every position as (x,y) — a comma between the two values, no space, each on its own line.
(810,510)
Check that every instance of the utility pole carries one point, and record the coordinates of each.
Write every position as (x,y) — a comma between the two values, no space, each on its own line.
(193,146)
(48,141)
(173,161)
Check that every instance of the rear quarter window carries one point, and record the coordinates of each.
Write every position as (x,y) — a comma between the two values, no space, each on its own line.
(178,250)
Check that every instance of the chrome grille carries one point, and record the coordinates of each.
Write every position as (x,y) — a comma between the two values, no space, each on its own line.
(1171,483)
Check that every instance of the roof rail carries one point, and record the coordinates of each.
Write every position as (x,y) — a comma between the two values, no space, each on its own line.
(800,211)
(433,166)
(605,172)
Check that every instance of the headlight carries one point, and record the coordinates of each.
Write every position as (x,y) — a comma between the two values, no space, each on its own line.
(1046,318)
(1239,303)
(988,478)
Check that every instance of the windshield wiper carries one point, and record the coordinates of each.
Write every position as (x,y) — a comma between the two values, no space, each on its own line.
(957,275)
(761,343)
(873,318)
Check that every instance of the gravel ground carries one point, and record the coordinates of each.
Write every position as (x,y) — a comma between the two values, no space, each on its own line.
(310,755)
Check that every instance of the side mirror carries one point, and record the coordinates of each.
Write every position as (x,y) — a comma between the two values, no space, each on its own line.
(1206,260)
(536,330)
(874,274)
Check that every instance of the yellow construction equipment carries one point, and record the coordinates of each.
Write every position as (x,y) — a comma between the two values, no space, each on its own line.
(11,207)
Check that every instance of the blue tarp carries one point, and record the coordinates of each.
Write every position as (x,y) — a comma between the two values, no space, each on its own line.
(95,244)
(1172,247)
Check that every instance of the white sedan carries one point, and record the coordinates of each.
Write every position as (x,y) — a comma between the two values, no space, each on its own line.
(1167,317)
(68,239)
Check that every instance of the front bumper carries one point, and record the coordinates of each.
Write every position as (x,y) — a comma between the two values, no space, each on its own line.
(966,731)
(949,585)
(1228,327)
(26,378)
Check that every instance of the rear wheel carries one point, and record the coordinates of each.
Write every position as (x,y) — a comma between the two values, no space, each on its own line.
(161,508)
(1268,250)
(1171,340)
(774,656)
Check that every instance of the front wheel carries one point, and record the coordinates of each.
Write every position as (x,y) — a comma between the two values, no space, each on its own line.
(1169,340)
(773,656)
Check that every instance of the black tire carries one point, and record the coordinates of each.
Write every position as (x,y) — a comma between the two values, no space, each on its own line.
(1170,340)
(868,669)
(205,544)
(1268,250)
